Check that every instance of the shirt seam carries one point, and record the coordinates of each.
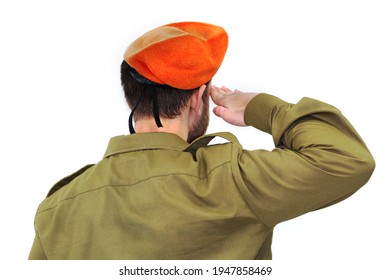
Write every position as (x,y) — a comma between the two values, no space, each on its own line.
(131,185)
(136,149)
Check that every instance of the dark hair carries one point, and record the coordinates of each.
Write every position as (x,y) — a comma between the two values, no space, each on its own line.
(171,101)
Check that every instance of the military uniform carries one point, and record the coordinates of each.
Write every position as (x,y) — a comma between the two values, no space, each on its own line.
(154,196)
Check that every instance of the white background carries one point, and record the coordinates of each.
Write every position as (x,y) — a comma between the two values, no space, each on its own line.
(61,101)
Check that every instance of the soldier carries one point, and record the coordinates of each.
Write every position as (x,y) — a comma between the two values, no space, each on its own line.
(163,192)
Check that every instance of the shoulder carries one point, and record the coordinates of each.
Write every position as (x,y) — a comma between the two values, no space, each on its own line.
(214,142)
(66,180)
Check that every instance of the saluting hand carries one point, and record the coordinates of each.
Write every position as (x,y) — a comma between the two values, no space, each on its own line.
(230,104)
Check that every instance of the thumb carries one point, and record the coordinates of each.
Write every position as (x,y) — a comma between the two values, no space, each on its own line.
(220,111)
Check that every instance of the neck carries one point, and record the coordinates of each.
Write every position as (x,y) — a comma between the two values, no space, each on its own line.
(176,126)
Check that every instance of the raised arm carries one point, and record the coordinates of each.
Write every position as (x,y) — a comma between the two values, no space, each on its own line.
(318,160)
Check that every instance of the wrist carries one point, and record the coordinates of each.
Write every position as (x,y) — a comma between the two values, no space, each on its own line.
(257,111)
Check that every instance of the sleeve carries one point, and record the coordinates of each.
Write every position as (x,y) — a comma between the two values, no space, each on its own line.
(318,160)
(37,252)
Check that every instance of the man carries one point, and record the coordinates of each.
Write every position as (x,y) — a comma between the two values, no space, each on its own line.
(164,193)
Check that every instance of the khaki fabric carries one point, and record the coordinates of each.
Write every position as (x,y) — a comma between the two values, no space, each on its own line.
(154,196)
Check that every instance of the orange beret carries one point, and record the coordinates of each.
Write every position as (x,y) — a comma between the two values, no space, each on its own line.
(183,55)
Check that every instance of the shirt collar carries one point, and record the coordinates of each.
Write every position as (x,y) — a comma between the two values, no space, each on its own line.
(145,141)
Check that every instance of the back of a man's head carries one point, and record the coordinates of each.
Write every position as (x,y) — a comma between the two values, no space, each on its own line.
(171,101)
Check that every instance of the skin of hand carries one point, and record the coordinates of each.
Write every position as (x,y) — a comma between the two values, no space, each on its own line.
(230,104)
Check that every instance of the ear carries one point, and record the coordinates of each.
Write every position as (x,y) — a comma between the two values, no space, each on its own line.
(196,101)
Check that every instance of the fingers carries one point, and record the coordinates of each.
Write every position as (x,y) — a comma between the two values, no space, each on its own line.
(230,104)
(226,89)
(222,90)
(220,97)
(217,94)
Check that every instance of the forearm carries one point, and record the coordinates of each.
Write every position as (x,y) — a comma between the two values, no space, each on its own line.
(308,124)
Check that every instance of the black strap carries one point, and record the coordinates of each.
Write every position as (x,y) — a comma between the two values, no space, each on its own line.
(156,111)
(131,127)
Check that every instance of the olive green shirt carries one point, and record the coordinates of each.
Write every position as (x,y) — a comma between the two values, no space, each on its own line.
(154,196)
